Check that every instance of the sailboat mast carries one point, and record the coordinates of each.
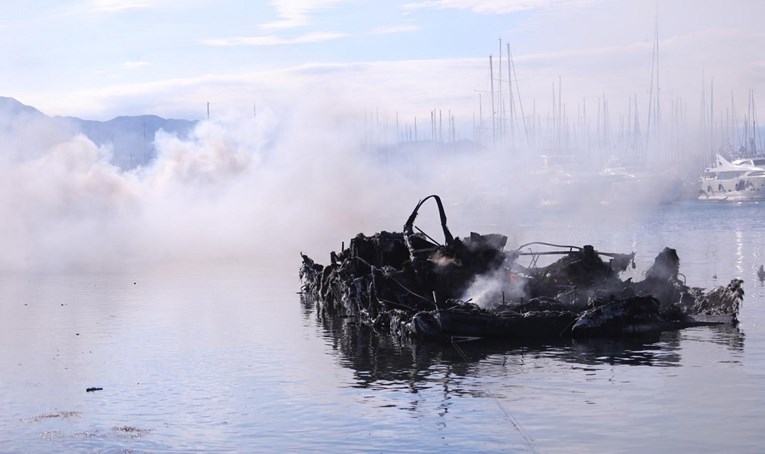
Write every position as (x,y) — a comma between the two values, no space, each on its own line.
(510,94)
(493,111)
(501,125)
(712,114)
(658,91)
(518,93)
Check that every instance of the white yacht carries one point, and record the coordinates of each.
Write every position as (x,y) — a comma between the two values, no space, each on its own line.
(737,181)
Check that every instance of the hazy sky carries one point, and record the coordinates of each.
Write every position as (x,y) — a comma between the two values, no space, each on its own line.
(307,67)
(101,58)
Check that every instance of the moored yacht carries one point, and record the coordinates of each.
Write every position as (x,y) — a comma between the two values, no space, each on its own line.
(736,181)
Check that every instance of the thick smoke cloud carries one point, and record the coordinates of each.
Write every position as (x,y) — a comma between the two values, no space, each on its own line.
(261,188)
(257,188)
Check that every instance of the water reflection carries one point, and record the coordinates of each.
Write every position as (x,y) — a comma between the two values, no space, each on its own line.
(656,349)
(731,337)
(739,252)
(384,360)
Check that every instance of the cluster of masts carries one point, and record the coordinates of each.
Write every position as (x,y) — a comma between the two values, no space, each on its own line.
(590,132)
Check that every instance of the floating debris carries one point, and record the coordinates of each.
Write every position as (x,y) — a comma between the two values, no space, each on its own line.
(65,415)
(131,431)
(409,284)
(52,435)
(90,390)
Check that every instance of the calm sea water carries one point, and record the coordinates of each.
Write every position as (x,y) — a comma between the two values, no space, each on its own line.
(225,358)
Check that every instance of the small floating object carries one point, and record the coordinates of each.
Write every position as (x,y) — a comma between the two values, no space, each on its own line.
(90,390)
(761,273)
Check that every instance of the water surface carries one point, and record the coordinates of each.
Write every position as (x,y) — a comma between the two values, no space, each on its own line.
(225,357)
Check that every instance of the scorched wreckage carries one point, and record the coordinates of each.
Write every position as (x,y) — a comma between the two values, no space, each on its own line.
(407,283)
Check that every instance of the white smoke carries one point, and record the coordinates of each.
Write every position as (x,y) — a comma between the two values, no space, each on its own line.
(500,286)
(258,188)
(261,188)
(57,204)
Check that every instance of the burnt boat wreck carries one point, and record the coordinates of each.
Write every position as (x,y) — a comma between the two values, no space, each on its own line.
(409,284)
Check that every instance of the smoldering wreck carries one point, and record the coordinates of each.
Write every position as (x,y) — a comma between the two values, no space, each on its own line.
(409,284)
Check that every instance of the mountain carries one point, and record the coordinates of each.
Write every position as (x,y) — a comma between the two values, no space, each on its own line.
(10,108)
(130,137)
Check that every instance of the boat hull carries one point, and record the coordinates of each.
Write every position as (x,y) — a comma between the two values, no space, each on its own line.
(732,196)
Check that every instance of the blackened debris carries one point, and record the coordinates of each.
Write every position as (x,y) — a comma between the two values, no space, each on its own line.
(409,284)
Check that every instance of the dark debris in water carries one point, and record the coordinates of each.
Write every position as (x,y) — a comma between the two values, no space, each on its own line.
(409,284)
(52,435)
(131,431)
(65,415)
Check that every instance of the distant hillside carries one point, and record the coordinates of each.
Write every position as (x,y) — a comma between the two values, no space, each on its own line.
(131,138)
(10,108)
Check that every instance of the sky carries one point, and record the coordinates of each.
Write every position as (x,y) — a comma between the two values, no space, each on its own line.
(97,59)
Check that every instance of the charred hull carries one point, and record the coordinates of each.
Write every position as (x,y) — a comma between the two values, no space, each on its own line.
(408,284)
(529,325)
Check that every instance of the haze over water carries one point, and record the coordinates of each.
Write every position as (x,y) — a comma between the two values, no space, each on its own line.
(222,356)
